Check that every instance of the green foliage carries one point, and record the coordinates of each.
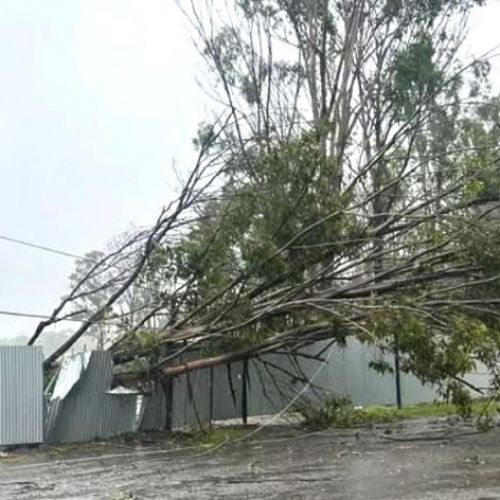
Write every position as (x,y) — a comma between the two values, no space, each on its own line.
(264,205)
(425,11)
(204,136)
(144,343)
(415,75)
(335,410)
(461,399)
(480,136)
(380,366)
(431,352)
(478,241)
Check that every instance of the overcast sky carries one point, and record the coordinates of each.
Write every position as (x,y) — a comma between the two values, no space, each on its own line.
(97,97)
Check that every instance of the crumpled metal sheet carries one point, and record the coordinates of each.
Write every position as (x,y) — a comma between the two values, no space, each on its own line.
(71,370)
(87,411)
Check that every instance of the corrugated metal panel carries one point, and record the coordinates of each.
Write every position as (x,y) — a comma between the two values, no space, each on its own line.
(21,395)
(51,412)
(155,411)
(191,407)
(88,412)
(348,373)
(227,391)
(72,368)
(275,381)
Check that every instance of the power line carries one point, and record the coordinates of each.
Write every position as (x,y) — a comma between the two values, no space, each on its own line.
(65,254)
(23,315)
(42,247)
(18,314)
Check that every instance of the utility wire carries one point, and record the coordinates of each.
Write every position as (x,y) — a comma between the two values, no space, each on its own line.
(43,316)
(42,247)
(65,254)
(23,315)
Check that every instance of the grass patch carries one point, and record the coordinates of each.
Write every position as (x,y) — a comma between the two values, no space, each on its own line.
(339,412)
(436,409)
(10,458)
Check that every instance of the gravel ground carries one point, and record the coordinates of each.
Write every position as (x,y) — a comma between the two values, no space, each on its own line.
(421,459)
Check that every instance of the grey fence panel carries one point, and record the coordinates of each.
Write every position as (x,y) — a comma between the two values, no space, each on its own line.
(227,385)
(480,378)
(155,410)
(270,387)
(347,373)
(191,403)
(21,395)
(51,413)
(414,392)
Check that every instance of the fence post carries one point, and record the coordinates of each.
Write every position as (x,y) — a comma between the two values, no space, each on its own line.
(167,384)
(244,392)
(211,396)
(397,374)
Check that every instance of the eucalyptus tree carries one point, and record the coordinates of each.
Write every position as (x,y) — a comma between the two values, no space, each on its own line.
(356,186)
(348,182)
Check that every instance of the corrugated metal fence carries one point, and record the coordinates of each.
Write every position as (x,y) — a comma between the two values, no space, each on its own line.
(21,395)
(274,379)
(83,406)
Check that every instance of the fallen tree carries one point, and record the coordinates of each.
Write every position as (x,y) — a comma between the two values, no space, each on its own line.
(352,191)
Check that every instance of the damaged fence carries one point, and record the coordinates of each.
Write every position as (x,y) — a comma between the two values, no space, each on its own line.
(83,405)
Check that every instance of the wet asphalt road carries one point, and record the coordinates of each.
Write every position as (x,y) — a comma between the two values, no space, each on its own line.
(414,460)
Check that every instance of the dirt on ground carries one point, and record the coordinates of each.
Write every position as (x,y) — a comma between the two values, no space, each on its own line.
(424,459)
